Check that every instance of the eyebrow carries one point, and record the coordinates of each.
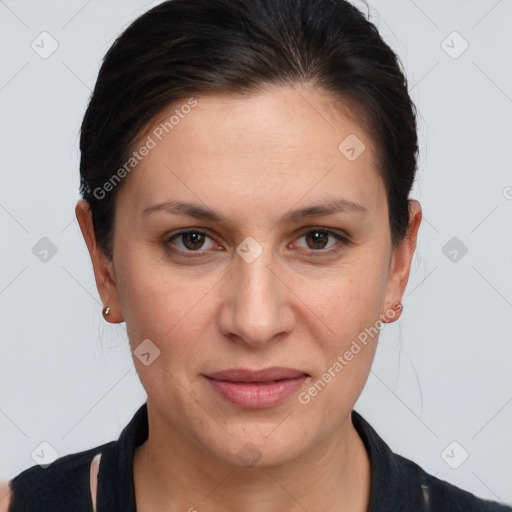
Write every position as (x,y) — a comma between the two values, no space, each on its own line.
(197,211)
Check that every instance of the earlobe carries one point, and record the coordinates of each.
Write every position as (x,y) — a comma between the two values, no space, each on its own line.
(392,314)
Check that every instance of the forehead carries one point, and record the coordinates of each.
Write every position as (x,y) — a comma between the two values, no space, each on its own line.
(282,144)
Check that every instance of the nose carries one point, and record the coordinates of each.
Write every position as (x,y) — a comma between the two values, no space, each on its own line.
(257,308)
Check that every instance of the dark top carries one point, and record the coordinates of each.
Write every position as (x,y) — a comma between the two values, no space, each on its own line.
(397,484)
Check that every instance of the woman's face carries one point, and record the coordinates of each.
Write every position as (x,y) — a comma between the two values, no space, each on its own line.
(242,270)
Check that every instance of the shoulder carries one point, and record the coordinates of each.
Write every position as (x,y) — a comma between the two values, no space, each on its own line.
(442,496)
(400,484)
(66,484)
(5,496)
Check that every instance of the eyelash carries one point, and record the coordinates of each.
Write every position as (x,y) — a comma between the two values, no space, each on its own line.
(342,241)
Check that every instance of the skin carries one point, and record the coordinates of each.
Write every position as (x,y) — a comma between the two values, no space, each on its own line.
(252,159)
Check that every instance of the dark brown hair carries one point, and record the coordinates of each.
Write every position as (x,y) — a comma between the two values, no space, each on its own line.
(184,48)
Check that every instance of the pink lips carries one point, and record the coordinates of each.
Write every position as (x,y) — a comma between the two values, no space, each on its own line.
(257,389)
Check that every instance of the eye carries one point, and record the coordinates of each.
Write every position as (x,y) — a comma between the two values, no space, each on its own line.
(319,241)
(322,240)
(192,240)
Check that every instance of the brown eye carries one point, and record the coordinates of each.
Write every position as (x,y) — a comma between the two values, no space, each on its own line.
(319,241)
(191,241)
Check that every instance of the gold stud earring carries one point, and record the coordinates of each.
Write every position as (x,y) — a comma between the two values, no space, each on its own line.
(106,312)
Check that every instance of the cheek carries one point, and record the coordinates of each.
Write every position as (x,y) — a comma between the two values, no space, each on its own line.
(166,313)
(347,301)
(349,306)
(155,296)
(171,310)
(349,310)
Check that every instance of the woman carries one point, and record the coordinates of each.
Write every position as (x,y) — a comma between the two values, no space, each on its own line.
(245,172)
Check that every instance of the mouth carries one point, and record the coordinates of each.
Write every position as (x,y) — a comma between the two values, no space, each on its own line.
(266,375)
(257,389)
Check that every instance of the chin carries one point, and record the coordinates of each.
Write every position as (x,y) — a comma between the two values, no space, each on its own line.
(258,447)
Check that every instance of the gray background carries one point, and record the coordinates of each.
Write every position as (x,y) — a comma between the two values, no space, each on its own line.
(442,372)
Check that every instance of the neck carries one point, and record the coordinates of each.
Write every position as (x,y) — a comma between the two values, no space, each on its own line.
(172,473)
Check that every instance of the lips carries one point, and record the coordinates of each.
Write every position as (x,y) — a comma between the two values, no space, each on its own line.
(266,375)
(256,389)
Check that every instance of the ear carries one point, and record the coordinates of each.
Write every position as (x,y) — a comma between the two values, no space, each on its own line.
(103,267)
(400,264)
